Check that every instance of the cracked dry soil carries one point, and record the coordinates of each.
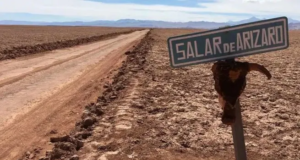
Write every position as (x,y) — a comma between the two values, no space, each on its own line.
(154,112)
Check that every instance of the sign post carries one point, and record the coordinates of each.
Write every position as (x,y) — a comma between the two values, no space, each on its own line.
(229,43)
(238,134)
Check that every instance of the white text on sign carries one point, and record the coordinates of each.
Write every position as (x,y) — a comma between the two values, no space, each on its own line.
(244,41)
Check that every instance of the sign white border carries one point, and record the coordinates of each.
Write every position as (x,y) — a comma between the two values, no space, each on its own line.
(284,20)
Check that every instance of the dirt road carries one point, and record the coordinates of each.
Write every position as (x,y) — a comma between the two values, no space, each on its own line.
(43,93)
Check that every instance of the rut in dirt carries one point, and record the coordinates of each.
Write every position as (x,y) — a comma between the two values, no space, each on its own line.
(67,146)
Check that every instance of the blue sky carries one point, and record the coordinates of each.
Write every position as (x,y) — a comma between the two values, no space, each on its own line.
(184,3)
(166,10)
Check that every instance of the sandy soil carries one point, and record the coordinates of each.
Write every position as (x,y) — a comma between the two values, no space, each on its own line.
(18,41)
(150,111)
(15,36)
(45,93)
(173,114)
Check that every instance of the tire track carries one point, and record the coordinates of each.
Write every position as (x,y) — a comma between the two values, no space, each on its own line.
(123,120)
(104,124)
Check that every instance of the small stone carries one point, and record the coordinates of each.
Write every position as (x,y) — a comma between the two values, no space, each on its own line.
(221,147)
(97,111)
(185,144)
(287,138)
(84,134)
(85,114)
(75,157)
(154,78)
(60,139)
(106,85)
(87,122)
(137,105)
(57,153)
(44,158)
(66,146)
(113,97)
(277,141)
(181,103)
(53,131)
(79,144)
(284,116)
(31,156)
(181,110)
(28,153)
(48,153)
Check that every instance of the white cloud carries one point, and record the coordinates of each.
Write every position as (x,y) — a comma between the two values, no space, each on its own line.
(288,8)
(107,11)
(261,1)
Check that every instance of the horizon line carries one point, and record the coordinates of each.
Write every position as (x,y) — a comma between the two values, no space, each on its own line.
(252,17)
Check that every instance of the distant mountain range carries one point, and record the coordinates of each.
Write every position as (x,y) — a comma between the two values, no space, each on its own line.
(293,24)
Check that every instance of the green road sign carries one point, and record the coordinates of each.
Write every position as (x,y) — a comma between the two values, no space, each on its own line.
(227,43)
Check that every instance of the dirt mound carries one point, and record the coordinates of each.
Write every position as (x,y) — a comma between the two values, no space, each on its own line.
(66,146)
(19,51)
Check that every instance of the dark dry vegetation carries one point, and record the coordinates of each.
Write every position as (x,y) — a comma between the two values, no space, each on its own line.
(18,41)
(154,112)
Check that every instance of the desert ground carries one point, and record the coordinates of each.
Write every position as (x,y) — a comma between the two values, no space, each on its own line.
(18,41)
(119,98)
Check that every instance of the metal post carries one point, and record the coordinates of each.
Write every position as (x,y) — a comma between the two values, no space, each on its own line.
(238,134)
